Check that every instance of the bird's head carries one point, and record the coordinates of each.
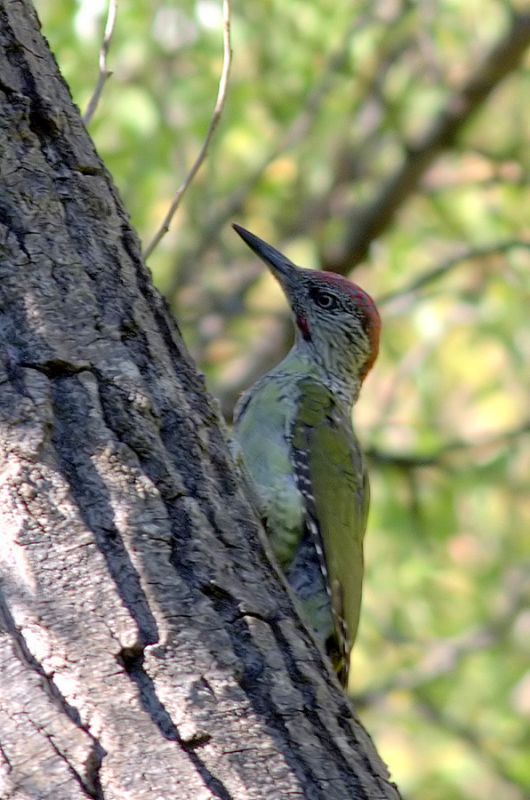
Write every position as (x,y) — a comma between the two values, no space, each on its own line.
(336,319)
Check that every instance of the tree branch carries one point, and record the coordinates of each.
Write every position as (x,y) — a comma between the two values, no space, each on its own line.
(104,72)
(436,459)
(365,225)
(203,152)
(446,266)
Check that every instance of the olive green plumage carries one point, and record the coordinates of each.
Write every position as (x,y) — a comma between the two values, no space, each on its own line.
(295,439)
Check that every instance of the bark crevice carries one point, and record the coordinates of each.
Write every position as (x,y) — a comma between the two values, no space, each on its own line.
(88,780)
(134,666)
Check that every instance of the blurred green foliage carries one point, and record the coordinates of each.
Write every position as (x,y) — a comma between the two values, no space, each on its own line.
(326,100)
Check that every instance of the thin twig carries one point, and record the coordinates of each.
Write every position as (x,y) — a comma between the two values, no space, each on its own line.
(216,116)
(104,72)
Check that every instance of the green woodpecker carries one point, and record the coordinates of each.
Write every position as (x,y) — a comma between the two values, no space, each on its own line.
(294,436)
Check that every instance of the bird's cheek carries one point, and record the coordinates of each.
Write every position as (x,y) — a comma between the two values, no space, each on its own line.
(303,326)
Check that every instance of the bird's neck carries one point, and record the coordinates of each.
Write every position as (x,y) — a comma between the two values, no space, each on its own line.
(302,360)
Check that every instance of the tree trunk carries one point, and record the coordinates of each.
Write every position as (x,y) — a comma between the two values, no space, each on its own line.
(148,647)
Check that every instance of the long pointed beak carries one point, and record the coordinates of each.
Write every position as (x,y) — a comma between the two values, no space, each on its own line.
(281,267)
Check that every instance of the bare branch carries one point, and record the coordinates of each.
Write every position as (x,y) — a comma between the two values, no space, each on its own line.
(203,152)
(367,224)
(413,460)
(440,270)
(104,72)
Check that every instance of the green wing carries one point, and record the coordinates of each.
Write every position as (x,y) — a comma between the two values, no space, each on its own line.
(334,484)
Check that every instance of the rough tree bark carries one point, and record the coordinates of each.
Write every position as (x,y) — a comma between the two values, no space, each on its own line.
(148,648)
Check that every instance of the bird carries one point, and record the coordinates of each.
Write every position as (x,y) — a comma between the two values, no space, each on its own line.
(295,441)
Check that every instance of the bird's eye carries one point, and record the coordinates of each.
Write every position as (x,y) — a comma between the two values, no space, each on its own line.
(324,299)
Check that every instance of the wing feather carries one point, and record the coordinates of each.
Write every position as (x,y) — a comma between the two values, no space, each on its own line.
(333,482)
